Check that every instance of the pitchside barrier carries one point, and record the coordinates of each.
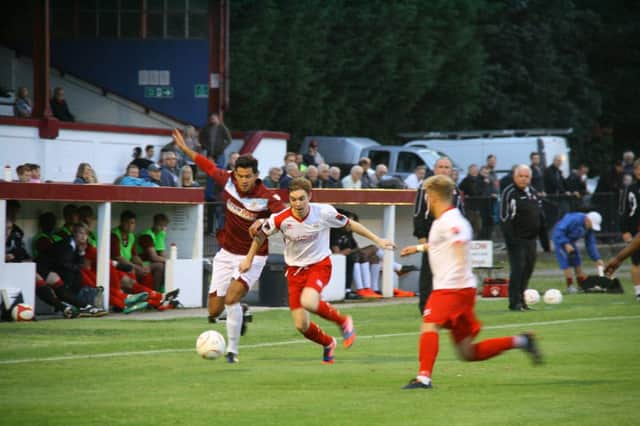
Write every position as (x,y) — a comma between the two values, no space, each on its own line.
(183,206)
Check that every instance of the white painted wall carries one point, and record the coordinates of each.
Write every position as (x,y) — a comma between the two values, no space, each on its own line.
(107,152)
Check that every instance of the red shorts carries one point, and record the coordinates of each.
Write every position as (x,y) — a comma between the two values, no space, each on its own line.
(315,276)
(453,310)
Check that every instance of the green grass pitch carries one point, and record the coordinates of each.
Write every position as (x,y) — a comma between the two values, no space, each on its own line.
(138,372)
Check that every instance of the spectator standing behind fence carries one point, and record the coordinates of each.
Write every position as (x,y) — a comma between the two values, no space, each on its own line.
(554,184)
(214,137)
(414,180)
(313,156)
(138,160)
(59,107)
(150,152)
(537,173)
(606,195)
(489,200)
(576,185)
(628,159)
(630,220)
(567,232)
(473,187)
(520,213)
(365,163)
(23,105)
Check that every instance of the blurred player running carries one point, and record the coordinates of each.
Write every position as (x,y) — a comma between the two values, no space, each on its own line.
(451,305)
(306,227)
(246,199)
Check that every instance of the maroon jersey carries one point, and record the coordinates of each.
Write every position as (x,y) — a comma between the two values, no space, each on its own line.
(242,209)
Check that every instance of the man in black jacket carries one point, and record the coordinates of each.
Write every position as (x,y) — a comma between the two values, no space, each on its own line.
(68,260)
(422,221)
(520,214)
(215,138)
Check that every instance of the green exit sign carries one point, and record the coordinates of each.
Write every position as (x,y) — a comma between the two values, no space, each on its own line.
(164,92)
(200,91)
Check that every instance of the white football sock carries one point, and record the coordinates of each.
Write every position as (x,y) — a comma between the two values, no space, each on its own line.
(424,379)
(397,267)
(519,341)
(637,288)
(375,276)
(366,274)
(234,325)
(357,276)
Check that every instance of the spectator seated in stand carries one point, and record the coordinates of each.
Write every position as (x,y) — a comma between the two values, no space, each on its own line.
(132,178)
(24,173)
(169,171)
(334,178)
(35,172)
(312,176)
(23,105)
(186,178)
(85,174)
(354,179)
(414,180)
(273,179)
(59,107)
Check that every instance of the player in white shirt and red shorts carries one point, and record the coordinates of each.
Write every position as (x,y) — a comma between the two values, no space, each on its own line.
(246,200)
(306,227)
(451,304)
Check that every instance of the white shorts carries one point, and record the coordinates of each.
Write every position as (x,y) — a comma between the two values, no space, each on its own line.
(225,270)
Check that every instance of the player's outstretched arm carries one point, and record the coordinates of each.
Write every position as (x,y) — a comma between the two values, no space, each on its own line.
(258,240)
(614,263)
(360,229)
(177,136)
(409,250)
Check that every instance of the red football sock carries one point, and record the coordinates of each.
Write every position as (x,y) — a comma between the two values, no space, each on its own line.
(491,347)
(330,313)
(315,334)
(116,300)
(569,281)
(429,345)
(40,283)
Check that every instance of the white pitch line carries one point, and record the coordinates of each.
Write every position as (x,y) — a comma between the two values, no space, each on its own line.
(299,341)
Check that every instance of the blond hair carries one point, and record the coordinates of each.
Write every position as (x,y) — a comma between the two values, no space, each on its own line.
(441,185)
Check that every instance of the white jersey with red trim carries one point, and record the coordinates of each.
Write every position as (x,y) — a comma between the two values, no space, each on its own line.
(449,252)
(307,240)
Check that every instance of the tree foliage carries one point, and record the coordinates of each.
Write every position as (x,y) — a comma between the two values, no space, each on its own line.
(377,68)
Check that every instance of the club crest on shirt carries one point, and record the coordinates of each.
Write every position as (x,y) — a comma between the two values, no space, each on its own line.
(455,230)
(340,217)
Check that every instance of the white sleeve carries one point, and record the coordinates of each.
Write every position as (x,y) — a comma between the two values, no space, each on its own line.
(269,226)
(459,231)
(332,217)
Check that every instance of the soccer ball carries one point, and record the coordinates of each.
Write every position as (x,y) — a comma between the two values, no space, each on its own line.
(552,297)
(210,345)
(531,296)
(22,312)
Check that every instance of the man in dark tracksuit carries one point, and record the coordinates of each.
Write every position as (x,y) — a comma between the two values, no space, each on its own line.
(422,221)
(520,214)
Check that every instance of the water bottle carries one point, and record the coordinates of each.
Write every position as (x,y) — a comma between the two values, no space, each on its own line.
(173,252)
(7,173)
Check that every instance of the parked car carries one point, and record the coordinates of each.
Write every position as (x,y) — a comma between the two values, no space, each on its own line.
(509,146)
(344,152)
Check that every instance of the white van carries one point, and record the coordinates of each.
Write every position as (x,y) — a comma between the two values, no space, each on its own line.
(510,147)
